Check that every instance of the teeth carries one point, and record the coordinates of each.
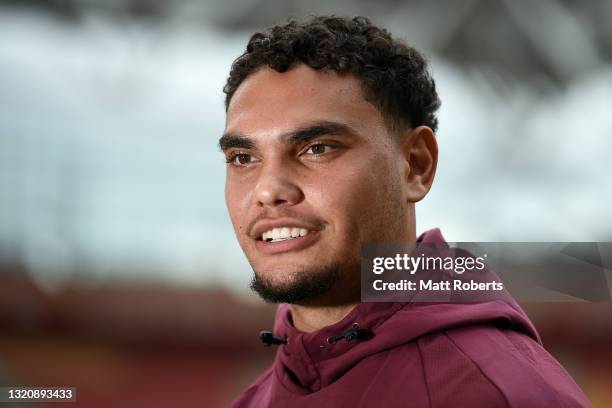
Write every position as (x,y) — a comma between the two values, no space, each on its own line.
(284,233)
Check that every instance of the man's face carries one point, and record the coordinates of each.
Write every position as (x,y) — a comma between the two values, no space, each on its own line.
(312,174)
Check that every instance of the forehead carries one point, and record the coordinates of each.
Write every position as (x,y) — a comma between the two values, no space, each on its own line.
(269,101)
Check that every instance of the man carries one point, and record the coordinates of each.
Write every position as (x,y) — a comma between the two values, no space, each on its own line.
(330,142)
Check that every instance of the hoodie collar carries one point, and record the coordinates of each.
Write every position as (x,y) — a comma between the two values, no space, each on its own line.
(303,357)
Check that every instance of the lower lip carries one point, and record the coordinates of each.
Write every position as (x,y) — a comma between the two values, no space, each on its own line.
(289,244)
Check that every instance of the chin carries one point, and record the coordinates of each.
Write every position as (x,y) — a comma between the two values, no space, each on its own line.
(301,285)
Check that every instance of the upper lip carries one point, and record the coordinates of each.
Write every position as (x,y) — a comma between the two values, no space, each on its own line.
(267,224)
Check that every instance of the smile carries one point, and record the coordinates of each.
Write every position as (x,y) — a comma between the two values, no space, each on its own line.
(283,234)
(285,239)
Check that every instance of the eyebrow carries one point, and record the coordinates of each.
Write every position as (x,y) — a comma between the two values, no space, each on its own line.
(230,140)
(304,134)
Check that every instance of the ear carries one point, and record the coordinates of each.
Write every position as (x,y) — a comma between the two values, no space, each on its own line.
(420,152)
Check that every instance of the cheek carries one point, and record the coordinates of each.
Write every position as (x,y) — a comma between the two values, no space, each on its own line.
(357,200)
(236,199)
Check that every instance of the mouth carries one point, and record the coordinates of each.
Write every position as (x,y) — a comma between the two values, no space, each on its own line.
(283,234)
(285,239)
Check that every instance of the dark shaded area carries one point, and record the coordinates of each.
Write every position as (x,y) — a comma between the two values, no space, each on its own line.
(126,346)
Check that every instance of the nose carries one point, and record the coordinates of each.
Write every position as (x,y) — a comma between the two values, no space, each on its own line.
(275,186)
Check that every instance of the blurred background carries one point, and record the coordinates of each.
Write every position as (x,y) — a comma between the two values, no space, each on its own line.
(119,271)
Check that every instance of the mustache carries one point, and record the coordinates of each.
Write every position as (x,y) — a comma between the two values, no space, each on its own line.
(303,218)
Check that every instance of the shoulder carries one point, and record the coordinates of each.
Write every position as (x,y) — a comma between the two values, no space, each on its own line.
(499,365)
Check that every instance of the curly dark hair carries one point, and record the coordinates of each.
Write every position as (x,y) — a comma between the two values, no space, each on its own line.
(394,76)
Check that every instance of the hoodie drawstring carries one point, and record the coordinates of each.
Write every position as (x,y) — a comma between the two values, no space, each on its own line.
(355,333)
(267,338)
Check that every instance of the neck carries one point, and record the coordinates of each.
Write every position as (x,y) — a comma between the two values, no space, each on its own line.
(312,318)
(330,307)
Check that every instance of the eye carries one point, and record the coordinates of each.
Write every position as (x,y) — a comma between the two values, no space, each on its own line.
(318,149)
(239,159)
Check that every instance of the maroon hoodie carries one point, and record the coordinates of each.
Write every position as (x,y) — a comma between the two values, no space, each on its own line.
(415,355)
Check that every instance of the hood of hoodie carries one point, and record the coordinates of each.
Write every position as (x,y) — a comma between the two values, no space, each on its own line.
(308,362)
